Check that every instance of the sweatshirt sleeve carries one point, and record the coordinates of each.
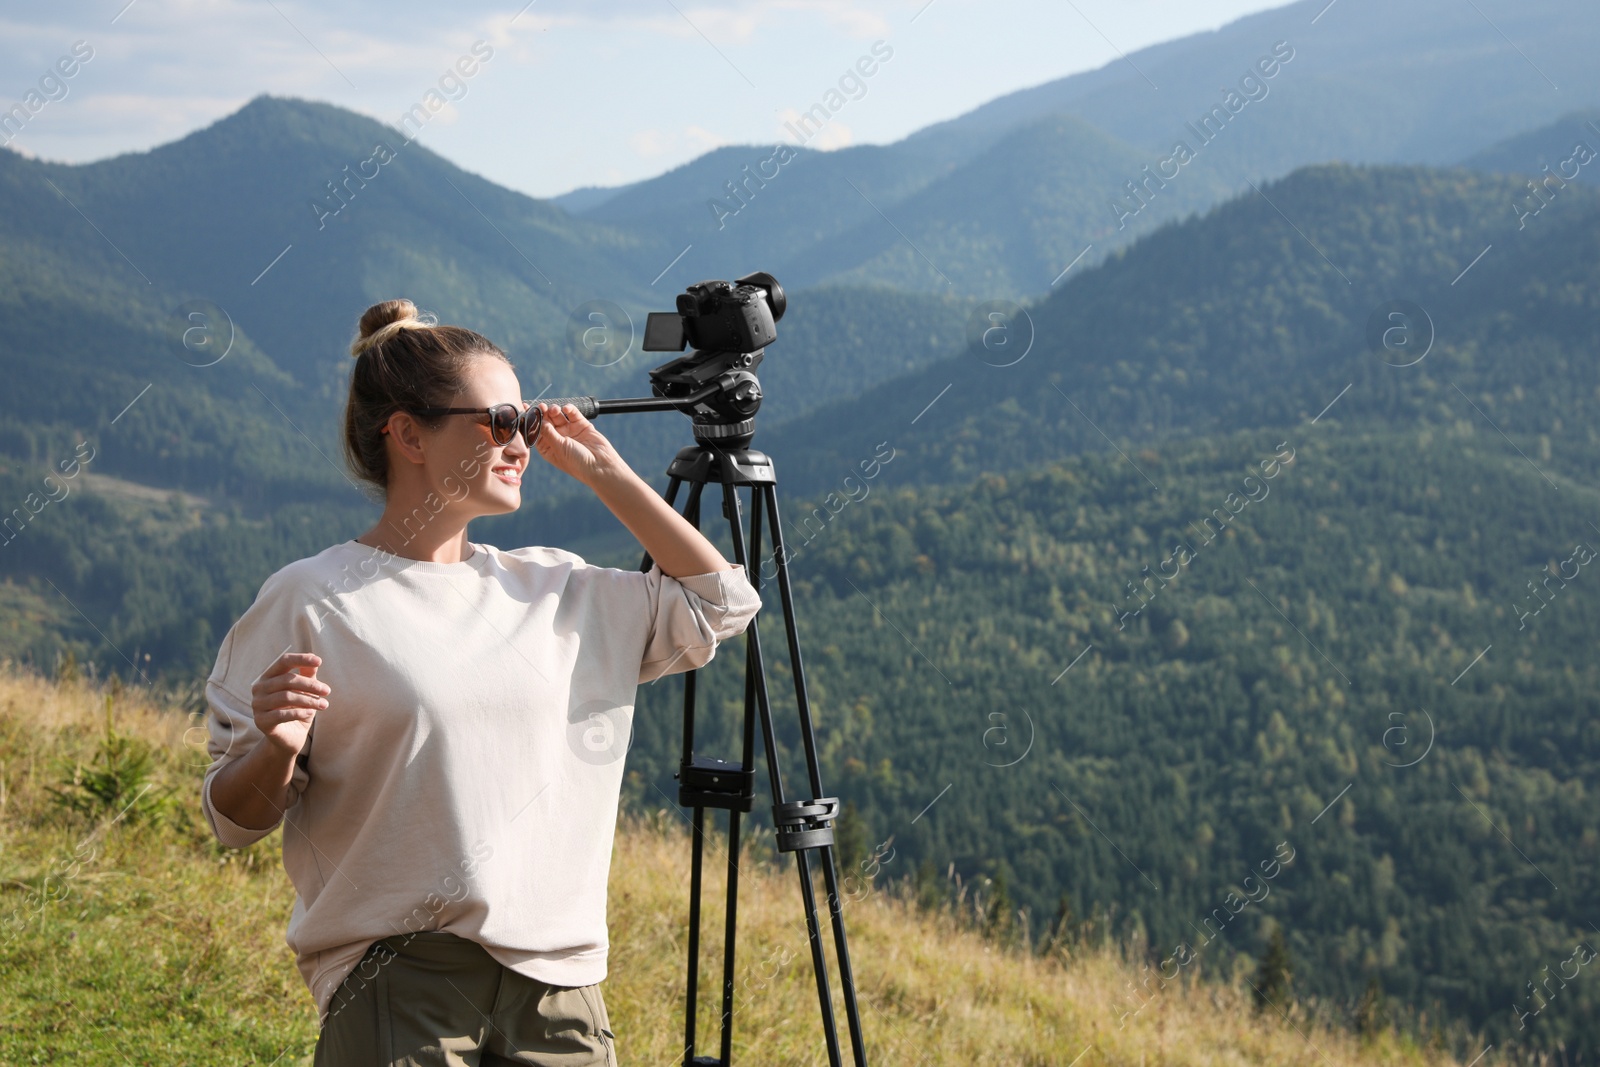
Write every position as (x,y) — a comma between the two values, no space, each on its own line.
(689,616)
(279,621)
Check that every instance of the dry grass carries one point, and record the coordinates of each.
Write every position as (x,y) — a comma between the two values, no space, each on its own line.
(148,941)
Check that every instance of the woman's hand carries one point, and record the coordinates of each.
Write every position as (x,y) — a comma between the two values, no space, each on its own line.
(570,443)
(286,698)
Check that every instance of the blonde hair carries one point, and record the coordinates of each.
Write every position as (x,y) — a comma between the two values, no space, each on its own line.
(382,321)
(405,361)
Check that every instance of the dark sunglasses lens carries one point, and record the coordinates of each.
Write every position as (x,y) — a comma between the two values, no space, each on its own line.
(503,423)
(532,422)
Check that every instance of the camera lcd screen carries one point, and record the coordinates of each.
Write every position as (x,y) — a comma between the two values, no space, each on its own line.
(663,332)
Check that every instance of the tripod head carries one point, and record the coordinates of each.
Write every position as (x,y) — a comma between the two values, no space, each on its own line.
(728,325)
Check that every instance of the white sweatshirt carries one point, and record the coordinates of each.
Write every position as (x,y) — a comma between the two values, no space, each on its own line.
(465,775)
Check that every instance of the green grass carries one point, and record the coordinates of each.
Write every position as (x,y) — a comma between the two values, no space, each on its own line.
(128,936)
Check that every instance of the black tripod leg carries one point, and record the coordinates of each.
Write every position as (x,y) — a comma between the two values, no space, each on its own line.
(692,514)
(747,758)
(819,959)
(846,977)
(697,846)
(695,850)
(801,826)
(728,937)
(730,929)
(830,876)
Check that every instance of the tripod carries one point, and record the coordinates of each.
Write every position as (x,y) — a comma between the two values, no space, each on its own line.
(716,385)
(800,826)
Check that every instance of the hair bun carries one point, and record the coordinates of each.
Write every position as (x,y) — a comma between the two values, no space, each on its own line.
(383,320)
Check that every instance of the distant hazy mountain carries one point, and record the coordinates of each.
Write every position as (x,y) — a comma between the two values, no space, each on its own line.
(1426,81)
(292,217)
(1570,146)
(771,203)
(1357,81)
(1010,221)
(578,201)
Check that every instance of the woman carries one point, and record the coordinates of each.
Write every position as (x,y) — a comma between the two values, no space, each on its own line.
(440,725)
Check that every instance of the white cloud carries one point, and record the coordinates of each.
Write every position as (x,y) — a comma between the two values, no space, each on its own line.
(724,21)
(703,139)
(854,18)
(99,116)
(834,135)
(648,143)
(719,25)
(686,143)
(110,110)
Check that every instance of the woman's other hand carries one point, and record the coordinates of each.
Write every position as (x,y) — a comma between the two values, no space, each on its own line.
(286,698)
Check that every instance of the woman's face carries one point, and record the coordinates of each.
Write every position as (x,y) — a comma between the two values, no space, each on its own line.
(461,462)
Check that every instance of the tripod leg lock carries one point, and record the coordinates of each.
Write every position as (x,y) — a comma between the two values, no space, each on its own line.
(804,824)
(708,782)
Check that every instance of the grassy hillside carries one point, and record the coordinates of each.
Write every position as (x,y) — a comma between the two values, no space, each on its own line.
(126,934)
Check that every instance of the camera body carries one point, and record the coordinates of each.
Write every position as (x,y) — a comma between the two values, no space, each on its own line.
(719,316)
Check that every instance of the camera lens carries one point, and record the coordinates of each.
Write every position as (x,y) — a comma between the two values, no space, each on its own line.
(775,298)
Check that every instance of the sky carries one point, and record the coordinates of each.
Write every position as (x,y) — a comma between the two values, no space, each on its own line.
(561,94)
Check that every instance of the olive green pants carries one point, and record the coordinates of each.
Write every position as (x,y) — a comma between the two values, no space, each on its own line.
(433,999)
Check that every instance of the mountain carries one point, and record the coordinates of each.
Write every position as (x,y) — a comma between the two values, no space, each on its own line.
(1260,313)
(1556,146)
(1368,649)
(1370,82)
(770,203)
(580,200)
(93,352)
(955,207)
(1235,319)
(101,255)
(1008,223)
(238,217)
(1402,355)
(209,213)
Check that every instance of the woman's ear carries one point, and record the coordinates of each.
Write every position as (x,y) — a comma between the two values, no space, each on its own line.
(406,435)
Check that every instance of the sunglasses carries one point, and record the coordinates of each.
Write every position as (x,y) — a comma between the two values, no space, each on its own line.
(504,420)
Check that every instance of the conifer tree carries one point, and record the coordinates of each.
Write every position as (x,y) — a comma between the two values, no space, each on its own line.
(1274,973)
